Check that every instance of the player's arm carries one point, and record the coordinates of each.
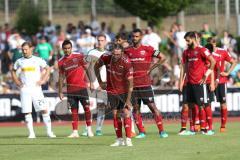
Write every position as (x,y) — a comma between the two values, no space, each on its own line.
(60,85)
(209,70)
(97,67)
(182,77)
(160,60)
(233,64)
(44,75)
(15,78)
(130,90)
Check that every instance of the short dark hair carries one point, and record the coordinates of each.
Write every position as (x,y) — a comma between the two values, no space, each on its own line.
(190,34)
(29,44)
(137,30)
(209,46)
(123,36)
(102,35)
(66,42)
(118,46)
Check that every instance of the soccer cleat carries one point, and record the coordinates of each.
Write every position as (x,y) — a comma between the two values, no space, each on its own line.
(118,142)
(141,135)
(222,130)
(128,142)
(51,135)
(84,134)
(186,133)
(209,133)
(73,135)
(99,133)
(163,134)
(31,136)
(90,133)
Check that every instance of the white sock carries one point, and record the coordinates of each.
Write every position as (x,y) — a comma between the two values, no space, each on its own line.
(89,128)
(100,118)
(75,131)
(47,122)
(29,123)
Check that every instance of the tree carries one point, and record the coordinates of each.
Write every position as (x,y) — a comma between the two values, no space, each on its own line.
(153,11)
(28,18)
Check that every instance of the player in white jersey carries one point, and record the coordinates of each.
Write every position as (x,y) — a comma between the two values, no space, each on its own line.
(29,73)
(98,95)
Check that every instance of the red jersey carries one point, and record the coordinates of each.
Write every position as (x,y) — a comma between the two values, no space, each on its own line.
(118,73)
(223,56)
(141,59)
(196,60)
(73,67)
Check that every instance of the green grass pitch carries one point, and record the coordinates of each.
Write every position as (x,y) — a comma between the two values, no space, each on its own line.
(222,146)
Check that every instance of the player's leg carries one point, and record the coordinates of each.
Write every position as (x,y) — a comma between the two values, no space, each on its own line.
(73,102)
(127,125)
(26,103)
(84,99)
(40,105)
(137,114)
(117,121)
(224,112)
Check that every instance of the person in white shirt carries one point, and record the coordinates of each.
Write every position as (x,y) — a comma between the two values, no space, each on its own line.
(180,41)
(151,38)
(86,42)
(98,95)
(29,73)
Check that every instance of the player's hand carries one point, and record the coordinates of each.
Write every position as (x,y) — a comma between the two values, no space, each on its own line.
(224,74)
(19,84)
(128,105)
(212,87)
(180,87)
(216,83)
(91,86)
(61,96)
(203,80)
(103,85)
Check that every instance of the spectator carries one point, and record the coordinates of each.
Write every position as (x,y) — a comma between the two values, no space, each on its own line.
(44,49)
(206,33)
(151,38)
(86,42)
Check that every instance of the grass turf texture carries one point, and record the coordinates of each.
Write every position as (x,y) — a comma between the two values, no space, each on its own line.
(222,146)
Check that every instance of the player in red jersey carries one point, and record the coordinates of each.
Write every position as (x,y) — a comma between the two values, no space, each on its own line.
(221,89)
(194,60)
(141,57)
(72,66)
(119,75)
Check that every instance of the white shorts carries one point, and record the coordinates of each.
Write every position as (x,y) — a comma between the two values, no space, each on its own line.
(100,96)
(33,95)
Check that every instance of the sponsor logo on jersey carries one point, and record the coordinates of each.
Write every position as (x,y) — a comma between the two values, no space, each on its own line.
(142,53)
(28,69)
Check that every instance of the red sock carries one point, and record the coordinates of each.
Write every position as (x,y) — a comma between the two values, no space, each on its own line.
(127,126)
(184,118)
(196,114)
(224,113)
(158,120)
(202,117)
(208,111)
(74,118)
(191,119)
(87,115)
(117,127)
(139,122)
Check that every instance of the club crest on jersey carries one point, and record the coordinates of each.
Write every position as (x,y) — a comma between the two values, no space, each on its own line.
(75,60)
(130,54)
(142,52)
(195,52)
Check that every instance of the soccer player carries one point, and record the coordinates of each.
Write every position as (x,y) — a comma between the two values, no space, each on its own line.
(121,39)
(98,94)
(72,66)
(221,90)
(194,59)
(119,88)
(141,57)
(33,72)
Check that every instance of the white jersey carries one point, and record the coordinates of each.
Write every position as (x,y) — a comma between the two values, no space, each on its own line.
(30,70)
(92,57)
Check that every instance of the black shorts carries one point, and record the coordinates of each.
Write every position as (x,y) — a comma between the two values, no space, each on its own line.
(82,96)
(210,95)
(183,97)
(220,93)
(197,94)
(117,101)
(144,94)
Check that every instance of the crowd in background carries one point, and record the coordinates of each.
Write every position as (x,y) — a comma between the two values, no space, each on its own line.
(48,40)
